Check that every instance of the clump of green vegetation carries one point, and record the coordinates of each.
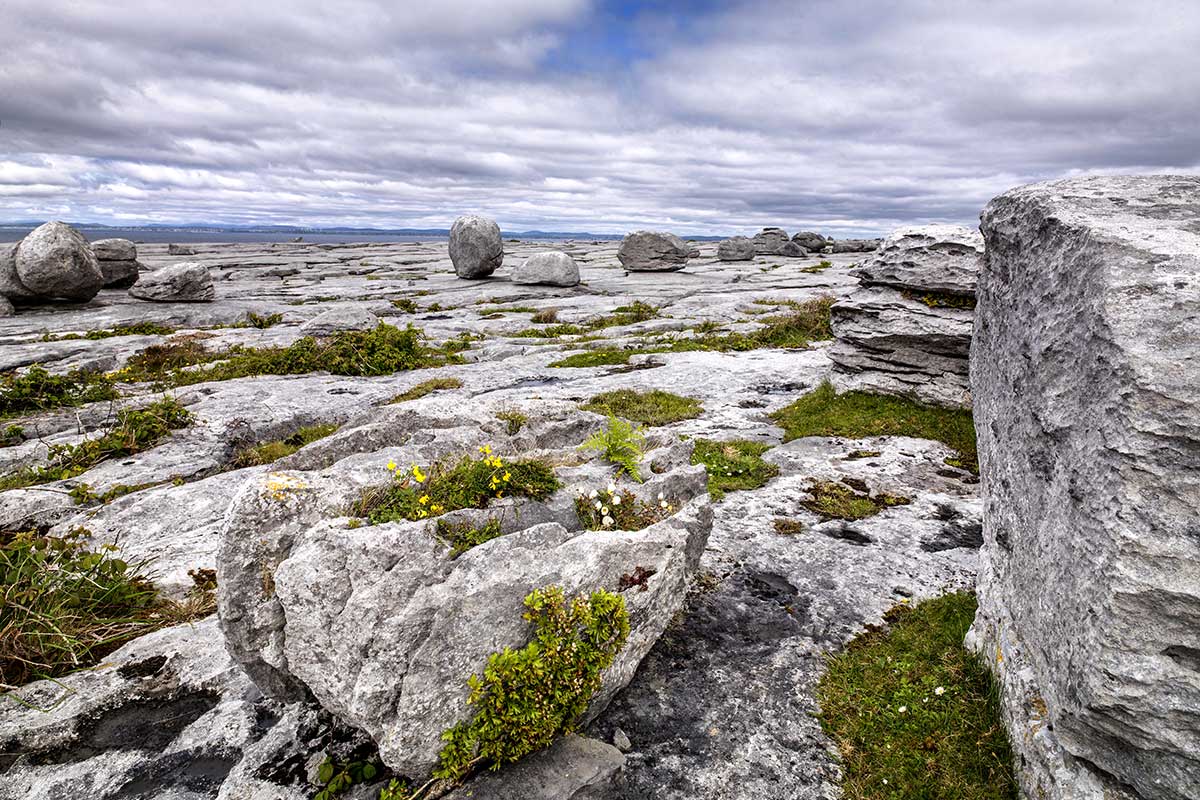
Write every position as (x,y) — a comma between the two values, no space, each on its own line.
(134,329)
(788,527)
(487,312)
(471,483)
(857,415)
(550,331)
(462,536)
(620,443)
(405,305)
(733,465)
(64,607)
(35,389)
(596,358)
(613,509)
(427,387)
(267,452)
(335,777)
(637,311)
(706,327)
(940,299)
(84,495)
(12,435)
(545,317)
(855,455)
(134,430)
(259,321)
(815,268)
(514,421)
(838,500)
(525,698)
(914,714)
(652,408)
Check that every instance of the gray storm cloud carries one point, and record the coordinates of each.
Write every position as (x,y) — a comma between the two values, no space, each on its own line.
(850,117)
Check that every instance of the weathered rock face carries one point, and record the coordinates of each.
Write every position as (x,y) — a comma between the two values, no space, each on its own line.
(344,318)
(186,282)
(10,285)
(852,245)
(384,626)
(810,240)
(653,251)
(119,274)
(737,248)
(114,250)
(476,248)
(55,261)
(770,241)
(6,307)
(117,259)
(905,331)
(180,250)
(552,269)
(1086,375)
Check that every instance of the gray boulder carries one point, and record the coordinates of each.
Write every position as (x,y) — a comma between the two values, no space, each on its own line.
(55,261)
(383,625)
(114,250)
(10,285)
(936,258)
(186,282)
(120,274)
(6,307)
(554,269)
(336,320)
(1086,375)
(653,251)
(737,248)
(476,248)
(810,241)
(852,245)
(570,769)
(770,241)
(790,249)
(180,250)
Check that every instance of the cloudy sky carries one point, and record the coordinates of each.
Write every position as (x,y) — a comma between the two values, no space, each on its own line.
(847,116)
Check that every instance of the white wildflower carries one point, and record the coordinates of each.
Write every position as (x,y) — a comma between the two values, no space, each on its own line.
(607,522)
(616,501)
(939,691)
(599,505)
(902,709)
(593,494)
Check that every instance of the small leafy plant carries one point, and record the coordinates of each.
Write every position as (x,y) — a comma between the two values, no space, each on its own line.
(620,443)
(36,389)
(525,698)
(514,421)
(462,536)
(337,777)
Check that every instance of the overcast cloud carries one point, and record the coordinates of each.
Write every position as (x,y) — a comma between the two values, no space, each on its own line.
(702,117)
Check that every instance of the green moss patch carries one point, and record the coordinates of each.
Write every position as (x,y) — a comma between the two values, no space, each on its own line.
(655,407)
(36,389)
(427,387)
(858,415)
(733,465)
(525,698)
(840,500)
(941,299)
(596,358)
(267,452)
(913,714)
(815,268)
(471,483)
(462,536)
(550,331)
(135,329)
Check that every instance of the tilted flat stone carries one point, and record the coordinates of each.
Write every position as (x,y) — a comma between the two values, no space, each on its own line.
(476,248)
(737,248)
(55,261)
(343,318)
(653,251)
(114,250)
(934,258)
(1086,377)
(186,282)
(565,770)
(552,269)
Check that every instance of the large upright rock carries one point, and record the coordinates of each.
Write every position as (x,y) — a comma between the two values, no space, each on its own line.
(653,251)
(10,285)
(55,261)
(737,248)
(476,248)
(907,331)
(1086,374)
(185,282)
(770,241)
(118,262)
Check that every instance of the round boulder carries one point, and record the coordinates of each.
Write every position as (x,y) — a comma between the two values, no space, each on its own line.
(738,248)
(790,249)
(553,269)
(54,260)
(652,251)
(185,282)
(810,240)
(475,246)
(770,241)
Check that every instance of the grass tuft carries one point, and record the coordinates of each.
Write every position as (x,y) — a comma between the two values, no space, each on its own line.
(733,465)
(36,389)
(267,452)
(652,408)
(914,714)
(834,500)
(427,387)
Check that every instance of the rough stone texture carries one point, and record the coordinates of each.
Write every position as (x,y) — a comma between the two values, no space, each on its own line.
(119,274)
(1086,373)
(10,285)
(186,282)
(114,250)
(181,250)
(770,241)
(810,240)
(653,251)
(6,307)
(853,245)
(55,261)
(737,248)
(932,258)
(383,626)
(551,269)
(344,318)
(899,334)
(573,768)
(476,248)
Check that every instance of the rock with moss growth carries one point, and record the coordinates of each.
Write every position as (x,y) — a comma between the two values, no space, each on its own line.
(653,251)
(1086,375)
(384,624)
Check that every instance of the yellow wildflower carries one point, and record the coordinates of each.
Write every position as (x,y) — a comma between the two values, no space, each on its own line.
(391,465)
(424,500)
(486,449)
(416,471)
